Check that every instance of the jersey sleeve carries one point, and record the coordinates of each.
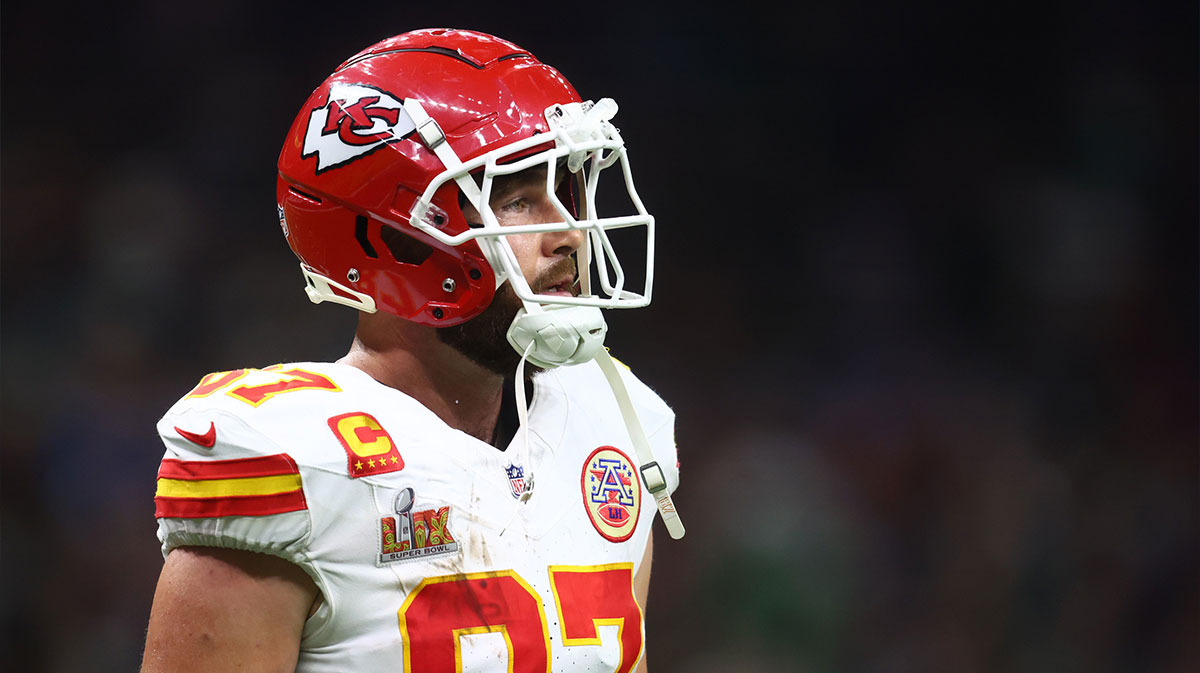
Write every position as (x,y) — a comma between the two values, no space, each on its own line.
(658,422)
(666,453)
(223,484)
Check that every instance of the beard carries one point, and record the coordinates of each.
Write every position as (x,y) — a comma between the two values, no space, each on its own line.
(484,338)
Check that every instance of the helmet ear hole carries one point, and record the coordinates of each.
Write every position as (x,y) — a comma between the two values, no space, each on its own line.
(404,248)
(360,235)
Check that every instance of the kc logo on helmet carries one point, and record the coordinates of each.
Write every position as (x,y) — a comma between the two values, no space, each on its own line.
(356,120)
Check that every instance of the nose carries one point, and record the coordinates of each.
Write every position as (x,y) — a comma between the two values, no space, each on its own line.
(562,243)
(559,243)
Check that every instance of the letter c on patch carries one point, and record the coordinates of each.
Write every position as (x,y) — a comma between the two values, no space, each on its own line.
(369,447)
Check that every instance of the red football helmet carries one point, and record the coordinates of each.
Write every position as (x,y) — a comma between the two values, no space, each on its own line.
(373,169)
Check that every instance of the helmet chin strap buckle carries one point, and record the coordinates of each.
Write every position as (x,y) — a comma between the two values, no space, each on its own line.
(559,335)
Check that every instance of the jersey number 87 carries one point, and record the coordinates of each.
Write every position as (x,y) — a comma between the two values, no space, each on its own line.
(443,609)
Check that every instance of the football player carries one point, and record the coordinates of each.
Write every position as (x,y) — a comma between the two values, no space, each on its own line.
(404,508)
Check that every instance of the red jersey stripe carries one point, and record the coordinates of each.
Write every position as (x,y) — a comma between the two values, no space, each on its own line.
(255,505)
(258,466)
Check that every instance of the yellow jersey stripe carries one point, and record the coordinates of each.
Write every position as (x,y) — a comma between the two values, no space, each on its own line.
(224,488)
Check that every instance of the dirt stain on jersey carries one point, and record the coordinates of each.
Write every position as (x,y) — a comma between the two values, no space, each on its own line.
(477,547)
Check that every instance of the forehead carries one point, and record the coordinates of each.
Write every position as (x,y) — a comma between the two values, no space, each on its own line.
(504,186)
(533,174)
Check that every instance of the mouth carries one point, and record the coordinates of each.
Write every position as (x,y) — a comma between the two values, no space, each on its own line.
(559,280)
(567,286)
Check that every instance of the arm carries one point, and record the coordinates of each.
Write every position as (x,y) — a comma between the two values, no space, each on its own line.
(641,588)
(223,610)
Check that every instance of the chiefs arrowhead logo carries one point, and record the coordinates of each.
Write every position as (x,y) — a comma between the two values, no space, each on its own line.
(355,120)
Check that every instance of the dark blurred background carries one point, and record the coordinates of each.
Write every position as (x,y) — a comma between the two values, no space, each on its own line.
(926,306)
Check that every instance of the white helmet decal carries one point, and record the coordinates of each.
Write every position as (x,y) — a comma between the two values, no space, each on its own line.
(356,120)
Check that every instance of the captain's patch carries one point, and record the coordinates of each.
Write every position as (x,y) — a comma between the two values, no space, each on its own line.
(369,448)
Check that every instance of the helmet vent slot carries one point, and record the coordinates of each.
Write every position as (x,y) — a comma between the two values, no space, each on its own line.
(404,248)
(360,235)
(434,49)
(303,195)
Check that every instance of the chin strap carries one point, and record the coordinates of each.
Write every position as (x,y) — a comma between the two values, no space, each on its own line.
(569,335)
(652,474)
(550,337)
(523,419)
(523,453)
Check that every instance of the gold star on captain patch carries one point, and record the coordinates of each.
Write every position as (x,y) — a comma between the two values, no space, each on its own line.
(371,462)
(394,460)
(358,464)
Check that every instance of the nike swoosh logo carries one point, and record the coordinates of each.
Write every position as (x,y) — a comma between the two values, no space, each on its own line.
(207,440)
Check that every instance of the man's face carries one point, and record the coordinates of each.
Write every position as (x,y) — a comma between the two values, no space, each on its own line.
(547,262)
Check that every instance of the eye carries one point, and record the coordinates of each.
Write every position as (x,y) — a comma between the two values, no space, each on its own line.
(515,205)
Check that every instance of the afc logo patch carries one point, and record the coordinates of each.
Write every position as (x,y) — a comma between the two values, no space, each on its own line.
(356,120)
(612,493)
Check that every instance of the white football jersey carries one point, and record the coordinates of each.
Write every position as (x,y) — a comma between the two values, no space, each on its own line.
(412,530)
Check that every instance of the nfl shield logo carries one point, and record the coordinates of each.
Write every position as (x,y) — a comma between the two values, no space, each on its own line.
(516,479)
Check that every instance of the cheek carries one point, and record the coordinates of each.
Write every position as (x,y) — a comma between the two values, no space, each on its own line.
(525,248)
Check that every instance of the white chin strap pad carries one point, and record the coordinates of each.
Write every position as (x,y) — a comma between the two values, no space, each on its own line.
(560,335)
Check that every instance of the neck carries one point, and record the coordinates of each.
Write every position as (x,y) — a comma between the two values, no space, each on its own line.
(412,359)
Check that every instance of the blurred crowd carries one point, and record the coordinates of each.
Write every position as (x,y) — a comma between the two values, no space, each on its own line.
(925,306)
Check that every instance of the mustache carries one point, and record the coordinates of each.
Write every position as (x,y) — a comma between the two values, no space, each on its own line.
(549,278)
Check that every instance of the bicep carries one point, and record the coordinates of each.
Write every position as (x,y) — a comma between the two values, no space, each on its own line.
(222,609)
